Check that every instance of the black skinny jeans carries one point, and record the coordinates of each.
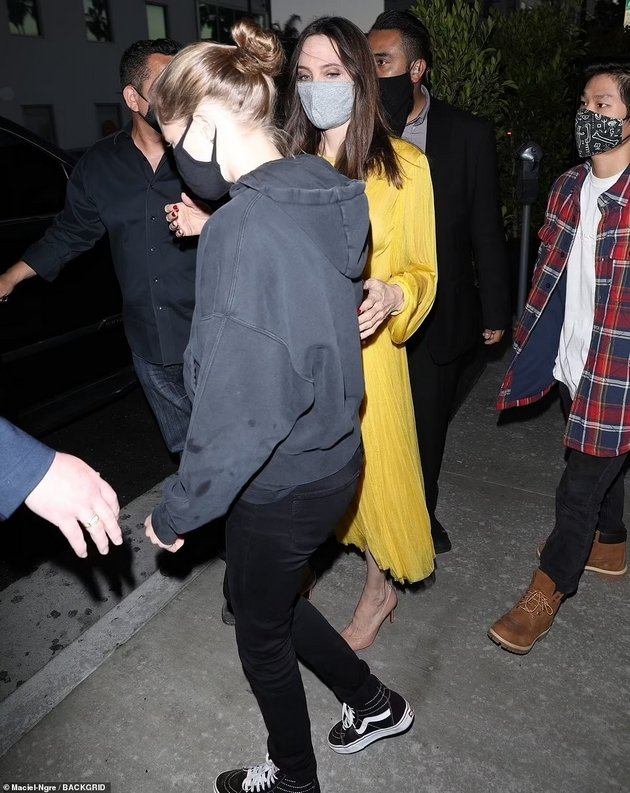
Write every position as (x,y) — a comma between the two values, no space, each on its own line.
(268,546)
(590,496)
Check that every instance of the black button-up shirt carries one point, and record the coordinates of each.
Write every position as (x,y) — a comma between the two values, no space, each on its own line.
(113,189)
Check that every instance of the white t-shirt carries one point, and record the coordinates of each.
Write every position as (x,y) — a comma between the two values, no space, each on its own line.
(579,310)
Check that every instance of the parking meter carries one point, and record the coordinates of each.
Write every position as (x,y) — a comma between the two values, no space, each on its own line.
(528,164)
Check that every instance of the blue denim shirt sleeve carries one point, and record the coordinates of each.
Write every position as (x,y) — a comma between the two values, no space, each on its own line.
(23,463)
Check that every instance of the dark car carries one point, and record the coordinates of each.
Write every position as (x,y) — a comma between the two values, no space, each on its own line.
(62,347)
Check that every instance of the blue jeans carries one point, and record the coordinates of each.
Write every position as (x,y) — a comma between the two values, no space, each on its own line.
(268,546)
(590,496)
(164,389)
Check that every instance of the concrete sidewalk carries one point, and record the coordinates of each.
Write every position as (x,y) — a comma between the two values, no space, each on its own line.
(169,708)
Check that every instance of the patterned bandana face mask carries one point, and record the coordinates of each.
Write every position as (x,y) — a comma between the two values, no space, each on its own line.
(596,134)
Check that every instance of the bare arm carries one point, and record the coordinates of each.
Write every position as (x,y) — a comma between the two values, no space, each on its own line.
(13,276)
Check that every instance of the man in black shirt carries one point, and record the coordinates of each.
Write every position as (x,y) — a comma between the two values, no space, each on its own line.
(120,187)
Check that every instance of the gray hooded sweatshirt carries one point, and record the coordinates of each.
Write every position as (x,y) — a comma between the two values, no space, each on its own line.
(273,366)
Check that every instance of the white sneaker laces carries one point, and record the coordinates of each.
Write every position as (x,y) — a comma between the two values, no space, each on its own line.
(260,777)
(347,716)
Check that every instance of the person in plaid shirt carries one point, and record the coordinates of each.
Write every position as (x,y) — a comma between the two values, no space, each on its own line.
(575,331)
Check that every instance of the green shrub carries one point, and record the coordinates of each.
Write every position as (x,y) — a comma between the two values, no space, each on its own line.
(605,35)
(541,47)
(517,70)
(468,71)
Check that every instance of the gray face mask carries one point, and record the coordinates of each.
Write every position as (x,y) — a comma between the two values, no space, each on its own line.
(327,105)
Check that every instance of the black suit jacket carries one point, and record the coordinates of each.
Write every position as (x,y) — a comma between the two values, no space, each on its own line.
(471,247)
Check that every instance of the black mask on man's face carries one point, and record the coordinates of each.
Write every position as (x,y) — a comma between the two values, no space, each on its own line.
(203,178)
(151,120)
(397,98)
(149,116)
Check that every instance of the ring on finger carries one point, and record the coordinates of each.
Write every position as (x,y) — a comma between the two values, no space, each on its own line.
(92,521)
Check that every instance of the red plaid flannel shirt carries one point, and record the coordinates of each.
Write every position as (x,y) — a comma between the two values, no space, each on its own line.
(599,422)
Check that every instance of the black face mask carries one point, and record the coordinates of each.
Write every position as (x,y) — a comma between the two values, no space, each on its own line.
(203,178)
(151,120)
(149,116)
(397,98)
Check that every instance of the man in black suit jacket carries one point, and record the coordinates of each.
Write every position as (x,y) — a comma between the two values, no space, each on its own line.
(473,298)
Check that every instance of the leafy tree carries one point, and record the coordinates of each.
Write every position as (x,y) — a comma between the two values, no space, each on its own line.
(288,33)
(290,29)
(519,71)
(543,107)
(605,35)
(468,71)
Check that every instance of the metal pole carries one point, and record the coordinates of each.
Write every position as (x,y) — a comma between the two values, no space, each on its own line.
(529,157)
(523,267)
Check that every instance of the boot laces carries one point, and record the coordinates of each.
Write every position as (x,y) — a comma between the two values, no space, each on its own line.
(347,716)
(534,602)
(260,777)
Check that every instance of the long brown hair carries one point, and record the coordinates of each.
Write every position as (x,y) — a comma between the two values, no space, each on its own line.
(367,148)
(238,77)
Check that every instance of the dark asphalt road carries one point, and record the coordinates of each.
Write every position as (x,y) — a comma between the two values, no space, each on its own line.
(122,442)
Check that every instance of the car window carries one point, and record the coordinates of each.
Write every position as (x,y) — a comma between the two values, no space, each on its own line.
(33,181)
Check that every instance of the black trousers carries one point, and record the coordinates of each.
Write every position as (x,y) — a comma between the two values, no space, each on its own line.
(435,389)
(268,546)
(590,496)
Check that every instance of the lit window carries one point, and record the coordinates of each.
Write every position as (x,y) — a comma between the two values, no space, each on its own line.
(23,18)
(215,21)
(156,21)
(207,20)
(97,20)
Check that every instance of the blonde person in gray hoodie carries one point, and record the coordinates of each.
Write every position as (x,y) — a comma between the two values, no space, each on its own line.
(273,369)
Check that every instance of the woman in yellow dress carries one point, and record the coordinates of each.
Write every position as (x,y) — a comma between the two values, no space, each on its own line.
(334,111)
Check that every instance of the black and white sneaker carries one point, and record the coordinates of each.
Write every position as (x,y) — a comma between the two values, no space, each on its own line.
(386,714)
(263,778)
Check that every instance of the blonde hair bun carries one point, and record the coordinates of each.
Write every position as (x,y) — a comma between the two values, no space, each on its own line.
(257,50)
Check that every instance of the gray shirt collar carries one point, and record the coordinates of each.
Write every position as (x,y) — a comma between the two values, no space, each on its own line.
(416,130)
(421,117)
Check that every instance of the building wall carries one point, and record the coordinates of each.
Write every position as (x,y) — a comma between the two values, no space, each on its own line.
(63,69)
(361,12)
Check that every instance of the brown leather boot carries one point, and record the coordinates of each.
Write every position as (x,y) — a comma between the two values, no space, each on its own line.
(520,628)
(605,558)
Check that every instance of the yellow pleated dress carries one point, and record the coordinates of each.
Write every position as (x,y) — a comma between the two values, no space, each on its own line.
(389,514)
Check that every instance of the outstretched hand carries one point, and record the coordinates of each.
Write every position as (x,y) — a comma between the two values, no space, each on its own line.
(75,498)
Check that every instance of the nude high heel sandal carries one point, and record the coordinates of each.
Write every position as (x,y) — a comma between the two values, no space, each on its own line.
(360,640)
